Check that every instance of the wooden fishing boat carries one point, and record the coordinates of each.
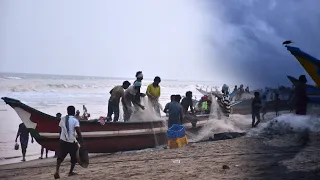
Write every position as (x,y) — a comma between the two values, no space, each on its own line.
(111,137)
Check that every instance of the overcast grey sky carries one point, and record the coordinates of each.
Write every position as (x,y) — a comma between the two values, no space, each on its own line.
(220,40)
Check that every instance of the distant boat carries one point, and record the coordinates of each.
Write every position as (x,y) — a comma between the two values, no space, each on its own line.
(108,138)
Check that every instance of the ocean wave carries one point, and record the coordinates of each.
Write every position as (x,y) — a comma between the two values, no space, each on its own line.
(26,86)
(13,77)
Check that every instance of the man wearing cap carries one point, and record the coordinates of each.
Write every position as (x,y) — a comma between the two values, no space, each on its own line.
(139,78)
(113,105)
(130,95)
(153,93)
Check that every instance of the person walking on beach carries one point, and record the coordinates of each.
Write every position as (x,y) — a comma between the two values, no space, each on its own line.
(23,132)
(277,104)
(264,106)
(68,142)
(130,96)
(301,99)
(255,108)
(175,111)
(153,93)
(113,106)
(42,150)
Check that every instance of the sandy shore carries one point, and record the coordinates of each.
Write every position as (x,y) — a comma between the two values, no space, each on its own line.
(242,158)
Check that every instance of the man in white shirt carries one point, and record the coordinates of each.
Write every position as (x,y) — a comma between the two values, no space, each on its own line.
(68,141)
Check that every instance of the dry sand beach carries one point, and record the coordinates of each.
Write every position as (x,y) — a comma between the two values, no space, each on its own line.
(280,157)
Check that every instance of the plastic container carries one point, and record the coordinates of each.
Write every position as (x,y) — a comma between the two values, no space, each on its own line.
(177,142)
(176,131)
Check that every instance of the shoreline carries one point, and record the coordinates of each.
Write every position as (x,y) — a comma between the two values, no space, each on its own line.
(280,157)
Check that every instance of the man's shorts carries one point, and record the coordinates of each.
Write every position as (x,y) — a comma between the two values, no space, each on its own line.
(68,148)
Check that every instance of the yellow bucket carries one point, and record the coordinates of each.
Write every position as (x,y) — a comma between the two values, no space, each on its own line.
(177,142)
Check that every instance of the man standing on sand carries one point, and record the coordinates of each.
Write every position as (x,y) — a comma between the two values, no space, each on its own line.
(153,93)
(68,142)
(130,95)
(255,109)
(175,111)
(113,105)
(23,132)
(301,99)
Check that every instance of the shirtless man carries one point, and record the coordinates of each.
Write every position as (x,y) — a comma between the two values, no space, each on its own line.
(130,95)
(113,106)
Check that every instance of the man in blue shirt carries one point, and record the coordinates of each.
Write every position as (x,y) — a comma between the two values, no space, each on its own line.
(175,111)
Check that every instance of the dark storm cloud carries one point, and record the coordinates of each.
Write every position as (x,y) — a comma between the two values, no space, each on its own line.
(253,32)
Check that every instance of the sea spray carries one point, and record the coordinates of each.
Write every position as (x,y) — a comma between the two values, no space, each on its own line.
(148,114)
(287,123)
(218,123)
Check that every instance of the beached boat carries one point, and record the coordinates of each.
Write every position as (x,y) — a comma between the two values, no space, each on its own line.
(308,62)
(111,137)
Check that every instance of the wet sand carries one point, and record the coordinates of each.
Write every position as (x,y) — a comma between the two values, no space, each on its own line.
(242,158)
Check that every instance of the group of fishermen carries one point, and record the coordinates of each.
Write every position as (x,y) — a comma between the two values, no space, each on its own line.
(226,91)
(130,97)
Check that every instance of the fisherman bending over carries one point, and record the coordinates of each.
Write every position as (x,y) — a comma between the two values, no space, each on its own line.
(23,132)
(153,93)
(255,108)
(130,95)
(113,106)
(175,111)
(68,142)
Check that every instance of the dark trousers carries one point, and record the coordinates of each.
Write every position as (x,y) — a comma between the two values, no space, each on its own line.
(301,111)
(68,148)
(113,108)
(255,114)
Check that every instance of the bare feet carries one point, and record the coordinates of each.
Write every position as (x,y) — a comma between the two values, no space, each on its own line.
(40,158)
(23,159)
(56,176)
